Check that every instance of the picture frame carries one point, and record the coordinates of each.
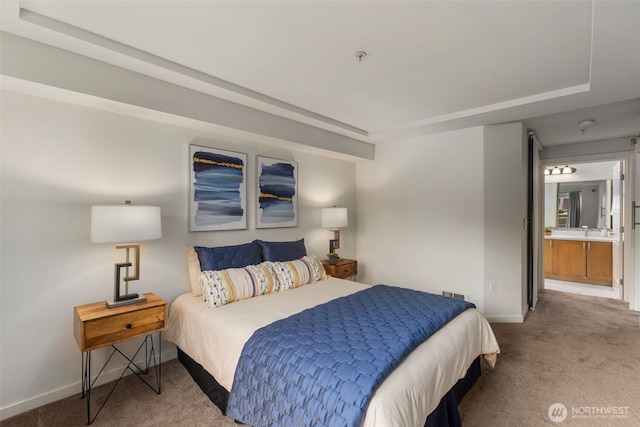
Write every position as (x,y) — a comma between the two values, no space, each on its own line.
(218,189)
(276,193)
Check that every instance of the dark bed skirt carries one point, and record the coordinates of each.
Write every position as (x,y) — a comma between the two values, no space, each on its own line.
(446,414)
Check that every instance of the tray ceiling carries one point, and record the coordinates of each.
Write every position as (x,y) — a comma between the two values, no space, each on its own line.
(429,66)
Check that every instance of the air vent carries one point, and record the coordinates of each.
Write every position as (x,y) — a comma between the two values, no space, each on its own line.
(452,295)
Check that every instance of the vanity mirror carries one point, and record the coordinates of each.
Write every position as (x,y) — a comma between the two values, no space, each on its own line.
(577,204)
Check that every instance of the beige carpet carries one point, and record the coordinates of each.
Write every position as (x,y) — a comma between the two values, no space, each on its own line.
(582,352)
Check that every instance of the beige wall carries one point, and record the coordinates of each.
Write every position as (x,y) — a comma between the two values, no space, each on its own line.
(444,213)
(420,214)
(57,160)
(505,205)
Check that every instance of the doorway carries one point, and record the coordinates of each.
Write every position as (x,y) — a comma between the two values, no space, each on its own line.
(584,207)
(582,289)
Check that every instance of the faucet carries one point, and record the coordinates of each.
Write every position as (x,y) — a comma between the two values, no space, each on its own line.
(586,230)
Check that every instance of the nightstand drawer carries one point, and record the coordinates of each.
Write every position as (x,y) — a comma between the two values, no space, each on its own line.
(120,327)
(344,268)
(96,325)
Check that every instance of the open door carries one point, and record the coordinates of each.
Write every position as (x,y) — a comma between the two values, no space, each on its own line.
(634,298)
(535,222)
(617,202)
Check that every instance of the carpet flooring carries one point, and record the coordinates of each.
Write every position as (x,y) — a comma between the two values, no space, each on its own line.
(581,352)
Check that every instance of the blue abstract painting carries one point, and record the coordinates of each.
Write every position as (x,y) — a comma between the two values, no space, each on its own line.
(218,189)
(277,193)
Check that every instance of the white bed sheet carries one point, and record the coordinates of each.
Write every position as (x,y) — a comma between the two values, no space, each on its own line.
(214,337)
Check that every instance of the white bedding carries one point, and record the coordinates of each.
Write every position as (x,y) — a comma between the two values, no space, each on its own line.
(214,337)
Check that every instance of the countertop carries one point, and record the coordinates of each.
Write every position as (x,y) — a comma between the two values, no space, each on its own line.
(589,238)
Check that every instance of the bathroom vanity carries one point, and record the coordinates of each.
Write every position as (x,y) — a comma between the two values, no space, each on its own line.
(587,259)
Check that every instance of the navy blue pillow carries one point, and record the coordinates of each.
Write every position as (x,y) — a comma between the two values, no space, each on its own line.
(222,257)
(282,251)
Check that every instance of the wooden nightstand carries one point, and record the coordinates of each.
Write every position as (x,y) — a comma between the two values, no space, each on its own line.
(343,269)
(95,326)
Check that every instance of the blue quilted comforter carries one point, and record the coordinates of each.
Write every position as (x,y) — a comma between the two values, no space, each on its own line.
(321,366)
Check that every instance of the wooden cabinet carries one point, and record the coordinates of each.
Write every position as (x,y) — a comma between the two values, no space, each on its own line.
(599,263)
(548,257)
(343,269)
(569,259)
(578,261)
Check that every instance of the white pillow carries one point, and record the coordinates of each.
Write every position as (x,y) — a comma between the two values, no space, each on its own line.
(292,274)
(193,270)
(220,287)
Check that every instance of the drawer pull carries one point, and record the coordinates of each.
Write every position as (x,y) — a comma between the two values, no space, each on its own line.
(129,325)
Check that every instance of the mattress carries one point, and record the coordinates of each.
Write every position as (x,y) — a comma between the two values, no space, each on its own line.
(214,338)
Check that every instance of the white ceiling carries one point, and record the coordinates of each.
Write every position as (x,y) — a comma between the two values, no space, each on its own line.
(430,65)
(616,120)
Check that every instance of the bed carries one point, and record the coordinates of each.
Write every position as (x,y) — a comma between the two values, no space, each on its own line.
(424,389)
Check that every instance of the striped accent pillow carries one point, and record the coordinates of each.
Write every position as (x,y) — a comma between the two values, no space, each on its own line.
(292,274)
(220,287)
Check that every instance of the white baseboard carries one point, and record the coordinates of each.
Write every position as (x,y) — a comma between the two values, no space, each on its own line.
(72,389)
(509,319)
(505,319)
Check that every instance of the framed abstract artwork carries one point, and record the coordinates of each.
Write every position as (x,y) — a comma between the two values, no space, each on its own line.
(277,191)
(218,198)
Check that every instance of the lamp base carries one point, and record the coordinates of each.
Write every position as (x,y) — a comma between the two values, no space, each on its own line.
(126,300)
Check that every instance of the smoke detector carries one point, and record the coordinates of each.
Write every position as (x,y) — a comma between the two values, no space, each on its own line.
(583,125)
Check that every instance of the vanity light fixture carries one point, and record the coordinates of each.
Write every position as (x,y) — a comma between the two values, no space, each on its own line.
(566,170)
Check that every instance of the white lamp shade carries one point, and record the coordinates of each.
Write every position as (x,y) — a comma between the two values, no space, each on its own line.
(125,223)
(334,218)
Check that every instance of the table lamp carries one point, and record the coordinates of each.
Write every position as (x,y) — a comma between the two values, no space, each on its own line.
(334,218)
(125,224)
